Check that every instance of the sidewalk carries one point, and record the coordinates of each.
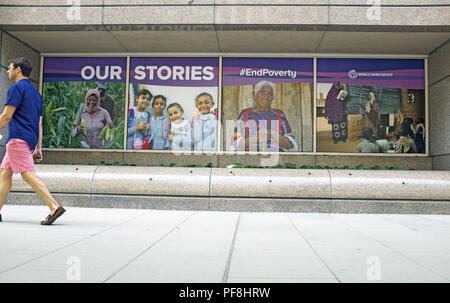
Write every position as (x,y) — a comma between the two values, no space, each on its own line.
(138,245)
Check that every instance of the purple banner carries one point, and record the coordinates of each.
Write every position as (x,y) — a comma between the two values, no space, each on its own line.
(247,71)
(184,72)
(388,73)
(105,69)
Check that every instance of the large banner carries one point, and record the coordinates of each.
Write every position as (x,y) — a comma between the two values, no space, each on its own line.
(173,104)
(388,73)
(370,105)
(84,101)
(267,104)
(363,105)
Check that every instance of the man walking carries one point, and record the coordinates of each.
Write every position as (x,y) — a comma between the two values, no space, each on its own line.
(23,115)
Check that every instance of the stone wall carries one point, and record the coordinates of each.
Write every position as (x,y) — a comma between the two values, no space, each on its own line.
(292,26)
(439,82)
(222,189)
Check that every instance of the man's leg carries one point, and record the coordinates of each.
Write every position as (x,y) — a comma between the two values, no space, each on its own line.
(41,189)
(5,185)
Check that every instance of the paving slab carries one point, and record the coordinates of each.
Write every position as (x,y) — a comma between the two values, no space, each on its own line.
(413,245)
(353,256)
(195,252)
(273,250)
(97,245)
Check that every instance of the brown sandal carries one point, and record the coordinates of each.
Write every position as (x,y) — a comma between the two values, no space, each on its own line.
(52,217)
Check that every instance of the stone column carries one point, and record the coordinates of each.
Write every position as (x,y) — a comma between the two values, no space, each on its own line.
(439,106)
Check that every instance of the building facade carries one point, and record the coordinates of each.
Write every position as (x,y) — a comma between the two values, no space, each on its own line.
(334,70)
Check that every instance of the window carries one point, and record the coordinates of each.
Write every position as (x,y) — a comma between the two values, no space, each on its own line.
(370,105)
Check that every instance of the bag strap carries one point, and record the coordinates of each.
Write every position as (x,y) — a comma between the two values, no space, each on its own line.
(156,129)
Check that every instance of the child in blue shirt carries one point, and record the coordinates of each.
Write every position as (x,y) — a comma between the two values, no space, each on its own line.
(204,124)
(138,120)
(180,129)
(159,125)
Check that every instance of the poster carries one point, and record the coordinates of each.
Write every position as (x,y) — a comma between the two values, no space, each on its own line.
(371,105)
(173,104)
(267,104)
(84,100)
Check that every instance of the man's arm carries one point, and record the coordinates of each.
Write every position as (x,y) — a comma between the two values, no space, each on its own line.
(37,154)
(285,142)
(7,115)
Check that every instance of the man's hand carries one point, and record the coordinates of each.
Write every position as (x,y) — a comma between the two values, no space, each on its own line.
(37,155)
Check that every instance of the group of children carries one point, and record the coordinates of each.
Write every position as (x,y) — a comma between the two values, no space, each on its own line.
(172,132)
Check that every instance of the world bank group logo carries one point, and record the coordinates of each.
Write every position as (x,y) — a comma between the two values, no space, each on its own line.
(352,74)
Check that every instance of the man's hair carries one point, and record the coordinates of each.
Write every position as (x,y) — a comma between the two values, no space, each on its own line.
(408,120)
(24,64)
(367,133)
(144,92)
(404,129)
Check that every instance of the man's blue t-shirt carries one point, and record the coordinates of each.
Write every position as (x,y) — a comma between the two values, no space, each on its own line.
(29,105)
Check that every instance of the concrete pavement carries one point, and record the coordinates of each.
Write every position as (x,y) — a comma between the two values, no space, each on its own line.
(140,245)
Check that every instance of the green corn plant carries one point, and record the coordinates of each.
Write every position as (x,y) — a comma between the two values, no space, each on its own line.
(67,99)
(60,131)
(116,141)
(48,112)
(84,126)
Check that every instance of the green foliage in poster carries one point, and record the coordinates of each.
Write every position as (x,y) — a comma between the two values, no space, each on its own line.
(64,102)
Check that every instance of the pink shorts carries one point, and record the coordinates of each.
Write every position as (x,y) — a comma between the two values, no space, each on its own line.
(18,157)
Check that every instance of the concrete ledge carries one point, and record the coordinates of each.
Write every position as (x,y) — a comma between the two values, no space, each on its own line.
(337,206)
(270,183)
(390,185)
(390,207)
(150,202)
(163,181)
(30,198)
(271,205)
(278,190)
(61,179)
